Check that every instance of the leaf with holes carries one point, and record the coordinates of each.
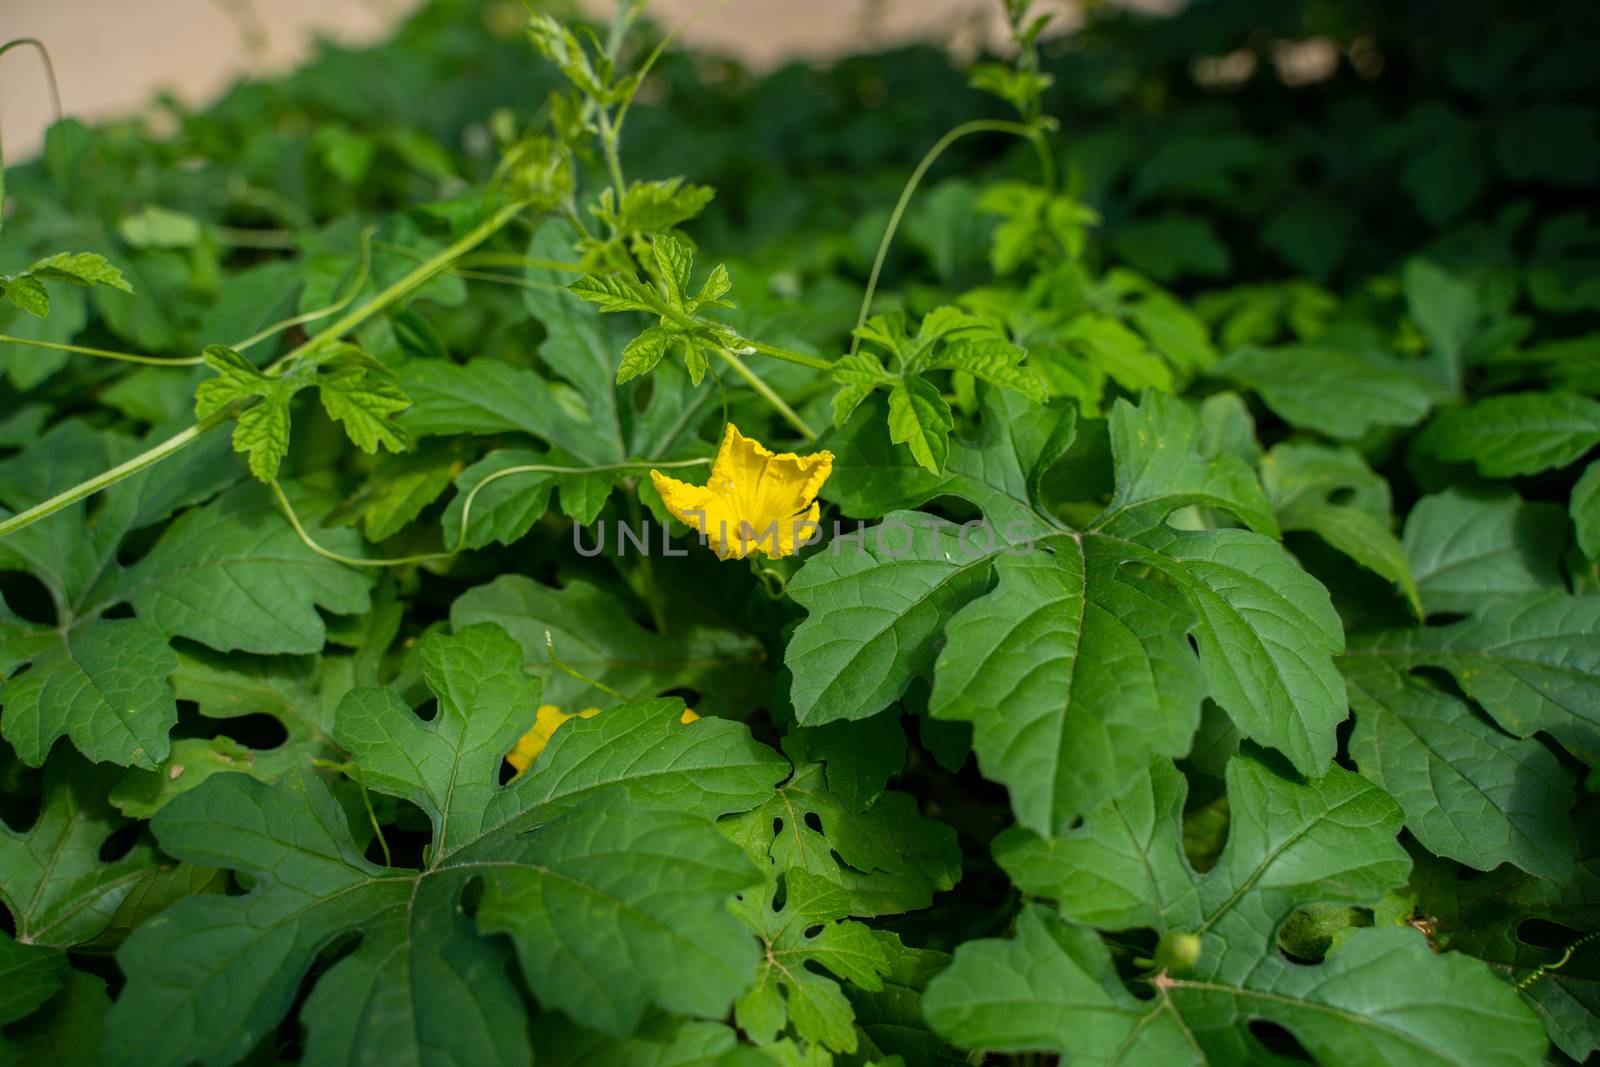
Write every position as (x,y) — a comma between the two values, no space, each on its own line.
(1538,933)
(1382,998)
(1532,662)
(52,878)
(556,841)
(800,920)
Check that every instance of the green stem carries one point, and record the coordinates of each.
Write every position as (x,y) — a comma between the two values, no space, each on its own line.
(466,510)
(186,437)
(239,346)
(505,279)
(106,353)
(777,402)
(360,283)
(660,49)
(353,771)
(1017,129)
(415,279)
(647,570)
(148,458)
(608,145)
(550,649)
(788,355)
(55,99)
(512,259)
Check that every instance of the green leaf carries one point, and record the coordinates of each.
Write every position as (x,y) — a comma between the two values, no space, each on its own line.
(709,768)
(1265,629)
(889,1022)
(607,885)
(365,403)
(648,207)
(858,376)
(861,756)
(26,290)
(29,976)
(619,292)
(1172,245)
(1302,482)
(1328,389)
(1071,676)
(298,691)
(1115,351)
(1179,335)
(505,509)
(192,760)
(1000,471)
(159,227)
(1532,662)
(995,361)
(946,339)
(159,889)
(52,879)
(233,575)
(1468,545)
(1327,840)
(487,396)
(876,611)
(209,976)
(1266,632)
(640,885)
(401,486)
(672,263)
(1585,509)
(1158,470)
(262,429)
(1055,988)
(1469,792)
(69,1027)
(1486,916)
(28,294)
(662,1041)
(801,930)
(1517,433)
(104,685)
(237,379)
(593,633)
(1446,311)
(448,766)
(641,354)
(80,268)
(83,681)
(887,859)
(920,419)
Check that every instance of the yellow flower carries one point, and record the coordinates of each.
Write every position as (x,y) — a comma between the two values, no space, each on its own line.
(545,724)
(755,501)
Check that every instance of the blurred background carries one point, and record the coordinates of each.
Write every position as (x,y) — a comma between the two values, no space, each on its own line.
(1217,140)
(112,57)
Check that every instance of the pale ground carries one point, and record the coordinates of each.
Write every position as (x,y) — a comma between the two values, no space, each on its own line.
(111,55)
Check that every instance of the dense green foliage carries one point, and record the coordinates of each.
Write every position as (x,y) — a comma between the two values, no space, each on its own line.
(1201,659)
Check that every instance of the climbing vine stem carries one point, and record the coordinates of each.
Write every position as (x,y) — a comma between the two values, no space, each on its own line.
(412,281)
(1033,133)
(466,510)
